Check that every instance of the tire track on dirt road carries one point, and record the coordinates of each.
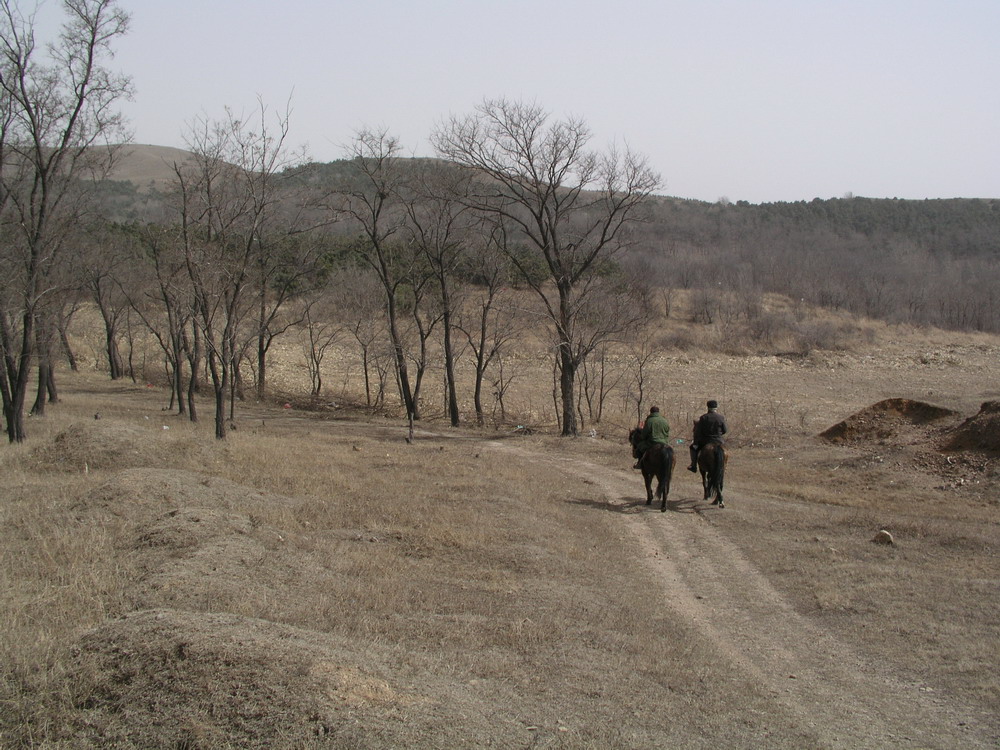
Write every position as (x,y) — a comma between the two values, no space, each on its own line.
(830,689)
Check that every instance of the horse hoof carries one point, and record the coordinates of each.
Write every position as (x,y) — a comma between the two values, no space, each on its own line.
(722,504)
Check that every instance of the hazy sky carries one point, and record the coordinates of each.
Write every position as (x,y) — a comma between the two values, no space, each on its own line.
(758,100)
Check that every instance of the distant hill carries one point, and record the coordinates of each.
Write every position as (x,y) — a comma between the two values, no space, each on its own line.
(148,167)
(925,262)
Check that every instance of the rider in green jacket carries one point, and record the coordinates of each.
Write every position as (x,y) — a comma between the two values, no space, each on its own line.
(655,431)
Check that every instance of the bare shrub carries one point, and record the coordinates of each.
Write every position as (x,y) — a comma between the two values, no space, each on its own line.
(769,327)
(681,339)
(824,334)
(704,306)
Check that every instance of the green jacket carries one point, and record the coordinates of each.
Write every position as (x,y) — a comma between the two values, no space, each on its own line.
(655,431)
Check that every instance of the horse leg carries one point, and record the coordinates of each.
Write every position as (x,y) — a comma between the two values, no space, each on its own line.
(720,474)
(661,492)
(648,479)
(664,488)
(717,491)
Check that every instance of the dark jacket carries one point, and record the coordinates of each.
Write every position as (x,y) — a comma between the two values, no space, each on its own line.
(710,428)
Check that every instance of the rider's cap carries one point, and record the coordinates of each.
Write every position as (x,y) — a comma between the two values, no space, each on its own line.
(653,408)
(713,404)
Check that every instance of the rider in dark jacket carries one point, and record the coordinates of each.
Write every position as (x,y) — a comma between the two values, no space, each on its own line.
(709,428)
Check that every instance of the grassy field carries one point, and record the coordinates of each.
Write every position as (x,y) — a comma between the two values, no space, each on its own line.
(316,581)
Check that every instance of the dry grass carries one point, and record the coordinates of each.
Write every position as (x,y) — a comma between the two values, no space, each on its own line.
(437,572)
(319,582)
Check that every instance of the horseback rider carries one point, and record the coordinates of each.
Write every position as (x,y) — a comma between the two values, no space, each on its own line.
(655,431)
(709,428)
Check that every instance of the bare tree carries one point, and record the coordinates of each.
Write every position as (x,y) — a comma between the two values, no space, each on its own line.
(355,294)
(70,306)
(370,197)
(642,353)
(492,320)
(228,200)
(570,206)
(63,283)
(45,337)
(439,227)
(105,262)
(57,117)
(426,312)
(285,270)
(166,308)
(600,375)
(321,331)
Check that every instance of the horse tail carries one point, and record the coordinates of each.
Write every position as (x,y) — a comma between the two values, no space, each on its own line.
(666,470)
(720,467)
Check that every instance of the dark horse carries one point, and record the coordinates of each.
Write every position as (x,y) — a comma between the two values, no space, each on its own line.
(712,460)
(657,462)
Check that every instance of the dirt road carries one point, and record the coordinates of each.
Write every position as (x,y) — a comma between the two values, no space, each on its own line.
(818,682)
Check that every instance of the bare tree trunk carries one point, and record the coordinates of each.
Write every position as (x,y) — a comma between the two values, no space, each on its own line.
(38,408)
(449,368)
(368,384)
(44,335)
(402,373)
(195,365)
(261,365)
(15,381)
(64,342)
(130,337)
(50,385)
(220,380)
(116,368)
(478,399)
(567,384)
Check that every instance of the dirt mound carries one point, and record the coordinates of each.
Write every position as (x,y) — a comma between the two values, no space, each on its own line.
(978,433)
(189,528)
(202,558)
(107,444)
(885,420)
(143,494)
(166,678)
(916,435)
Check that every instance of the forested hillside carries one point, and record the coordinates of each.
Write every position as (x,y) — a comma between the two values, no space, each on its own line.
(929,262)
(932,262)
